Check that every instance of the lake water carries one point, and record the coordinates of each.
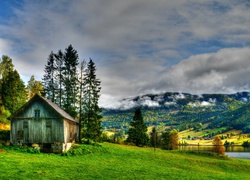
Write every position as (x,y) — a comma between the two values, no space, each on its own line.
(243,155)
(231,151)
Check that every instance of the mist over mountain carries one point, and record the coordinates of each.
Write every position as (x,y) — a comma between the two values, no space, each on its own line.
(184,111)
(177,99)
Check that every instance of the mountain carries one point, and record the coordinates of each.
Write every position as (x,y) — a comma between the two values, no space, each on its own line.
(183,110)
(169,99)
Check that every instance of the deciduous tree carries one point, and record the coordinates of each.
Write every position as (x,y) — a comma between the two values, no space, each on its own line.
(34,87)
(13,91)
(170,139)
(218,146)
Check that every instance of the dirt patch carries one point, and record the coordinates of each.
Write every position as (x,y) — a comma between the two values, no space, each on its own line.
(1,151)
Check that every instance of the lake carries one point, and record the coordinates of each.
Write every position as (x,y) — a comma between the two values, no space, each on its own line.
(232,151)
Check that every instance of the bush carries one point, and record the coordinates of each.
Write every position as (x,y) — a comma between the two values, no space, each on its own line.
(84,149)
(33,150)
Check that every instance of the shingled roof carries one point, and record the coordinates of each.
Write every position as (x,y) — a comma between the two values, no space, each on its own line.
(55,107)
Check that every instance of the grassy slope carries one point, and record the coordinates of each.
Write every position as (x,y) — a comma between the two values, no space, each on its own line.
(120,162)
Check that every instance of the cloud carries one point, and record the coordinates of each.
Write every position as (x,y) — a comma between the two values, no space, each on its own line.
(139,46)
(5,47)
(225,71)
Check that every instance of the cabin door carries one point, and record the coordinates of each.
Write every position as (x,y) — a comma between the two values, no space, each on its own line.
(48,131)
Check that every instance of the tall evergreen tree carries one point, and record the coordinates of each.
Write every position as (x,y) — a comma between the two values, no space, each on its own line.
(92,112)
(70,81)
(138,132)
(59,68)
(81,81)
(49,82)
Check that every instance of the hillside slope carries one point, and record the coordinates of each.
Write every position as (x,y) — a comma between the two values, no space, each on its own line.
(183,110)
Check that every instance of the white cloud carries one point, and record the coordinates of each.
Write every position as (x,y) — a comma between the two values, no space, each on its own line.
(138,45)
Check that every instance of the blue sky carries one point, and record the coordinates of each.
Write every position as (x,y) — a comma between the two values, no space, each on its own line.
(139,46)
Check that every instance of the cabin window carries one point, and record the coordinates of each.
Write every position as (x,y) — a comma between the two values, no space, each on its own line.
(25,124)
(37,113)
(20,134)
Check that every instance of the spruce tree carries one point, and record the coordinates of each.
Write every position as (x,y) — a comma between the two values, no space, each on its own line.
(91,111)
(59,68)
(70,81)
(137,134)
(81,86)
(49,82)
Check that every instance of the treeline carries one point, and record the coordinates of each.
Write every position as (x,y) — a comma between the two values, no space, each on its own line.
(75,88)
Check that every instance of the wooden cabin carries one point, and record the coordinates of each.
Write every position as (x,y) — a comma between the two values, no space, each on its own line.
(42,122)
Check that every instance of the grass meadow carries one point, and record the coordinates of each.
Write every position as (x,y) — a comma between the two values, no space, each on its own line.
(112,161)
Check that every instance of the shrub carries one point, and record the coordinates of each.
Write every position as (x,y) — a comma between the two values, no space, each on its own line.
(33,150)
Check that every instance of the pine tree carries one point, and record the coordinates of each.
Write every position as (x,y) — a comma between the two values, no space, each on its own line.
(59,68)
(70,81)
(81,86)
(92,112)
(137,134)
(49,82)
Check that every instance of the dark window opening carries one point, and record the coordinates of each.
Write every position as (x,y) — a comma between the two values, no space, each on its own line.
(37,113)
(19,134)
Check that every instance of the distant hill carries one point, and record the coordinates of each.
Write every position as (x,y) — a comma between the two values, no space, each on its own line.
(184,110)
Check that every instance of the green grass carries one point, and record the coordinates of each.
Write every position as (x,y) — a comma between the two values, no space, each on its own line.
(110,161)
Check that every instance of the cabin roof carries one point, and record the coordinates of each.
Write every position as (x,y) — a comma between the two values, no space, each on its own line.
(54,106)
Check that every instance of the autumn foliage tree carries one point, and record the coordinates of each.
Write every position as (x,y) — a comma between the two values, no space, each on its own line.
(170,139)
(218,146)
